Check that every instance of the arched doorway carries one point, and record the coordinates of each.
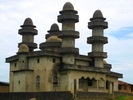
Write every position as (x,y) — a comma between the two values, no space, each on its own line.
(87,84)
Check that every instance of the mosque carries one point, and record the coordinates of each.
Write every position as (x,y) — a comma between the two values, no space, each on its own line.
(57,63)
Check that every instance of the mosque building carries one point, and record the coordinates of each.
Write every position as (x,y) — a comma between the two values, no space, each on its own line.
(58,63)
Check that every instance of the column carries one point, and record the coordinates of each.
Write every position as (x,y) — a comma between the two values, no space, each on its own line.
(109,87)
(104,85)
(112,88)
(97,84)
(77,84)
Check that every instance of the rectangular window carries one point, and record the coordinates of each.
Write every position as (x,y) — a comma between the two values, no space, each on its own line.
(53,60)
(15,64)
(38,60)
(18,82)
(89,83)
(119,87)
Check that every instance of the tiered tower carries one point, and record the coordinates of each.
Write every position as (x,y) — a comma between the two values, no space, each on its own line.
(54,31)
(53,43)
(68,18)
(97,40)
(28,33)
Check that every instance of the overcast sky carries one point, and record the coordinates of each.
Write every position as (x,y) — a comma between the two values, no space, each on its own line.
(118,14)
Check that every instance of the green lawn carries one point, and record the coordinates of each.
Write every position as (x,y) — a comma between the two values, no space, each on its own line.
(125,98)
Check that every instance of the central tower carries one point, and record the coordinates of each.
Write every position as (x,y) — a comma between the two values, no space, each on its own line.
(68,18)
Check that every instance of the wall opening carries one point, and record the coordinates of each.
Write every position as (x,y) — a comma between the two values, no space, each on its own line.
(107,84)
(38,81)
(15,64)
(38,60)
(18,82)
(119,87)
(54,60)
(55,81)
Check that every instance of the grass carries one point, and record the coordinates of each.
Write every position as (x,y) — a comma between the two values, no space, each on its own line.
(124,98)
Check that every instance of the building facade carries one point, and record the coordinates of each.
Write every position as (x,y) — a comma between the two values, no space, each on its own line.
(58,62)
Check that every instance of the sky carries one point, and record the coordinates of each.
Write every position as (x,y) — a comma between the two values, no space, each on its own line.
(118,14)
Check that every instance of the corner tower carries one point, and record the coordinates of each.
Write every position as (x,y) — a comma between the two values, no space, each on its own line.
(28,33)
(97,39)
(68,17)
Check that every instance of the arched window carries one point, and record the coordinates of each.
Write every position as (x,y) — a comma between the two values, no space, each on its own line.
(38,81)
(81,82)
(55,81)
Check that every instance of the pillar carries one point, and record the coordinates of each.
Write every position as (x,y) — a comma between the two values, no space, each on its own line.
(104,85)
(112,88)
(109,87)
(75,86)
(97,84)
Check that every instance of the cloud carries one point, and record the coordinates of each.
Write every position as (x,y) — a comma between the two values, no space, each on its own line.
(25,4)
(130,35)
(122,33)
(44,14)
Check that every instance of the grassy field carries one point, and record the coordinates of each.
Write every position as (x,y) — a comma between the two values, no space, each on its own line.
(124,98)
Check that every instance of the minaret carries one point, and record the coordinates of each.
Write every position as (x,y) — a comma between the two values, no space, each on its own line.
(68,17)
(54,31)
(97,39)
(28,33)
(52,43)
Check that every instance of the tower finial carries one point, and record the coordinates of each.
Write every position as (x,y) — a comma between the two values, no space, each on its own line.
(97,14)
(68,6)
(28,22)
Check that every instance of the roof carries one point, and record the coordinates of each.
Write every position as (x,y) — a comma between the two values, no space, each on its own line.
(123,83)
(4,83)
